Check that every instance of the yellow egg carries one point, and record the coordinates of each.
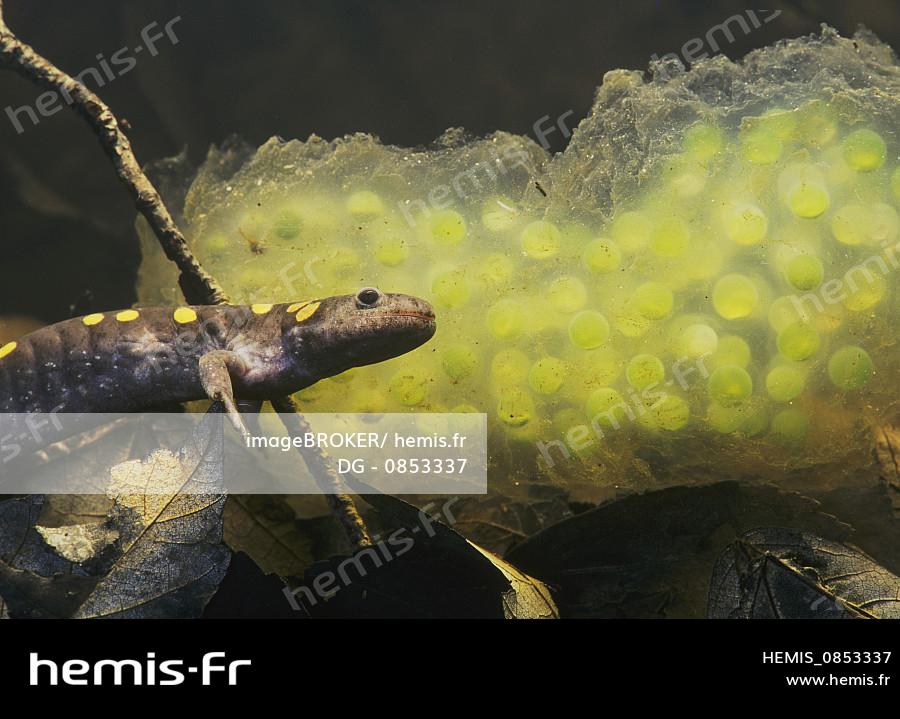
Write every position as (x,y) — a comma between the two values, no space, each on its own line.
(804,272)
(631,323)
(703,141)
(789,427)
(850,368)
(391,252)
(735,296)
(761,147)
(515,407)
(808,199)
(451,289)
(606,408)
(509,366)
(864,150)
(645,371)
(547,375)
(409,387)
(696,341)
(730,385)
(785,382)
(798,341)
(851,224)
(506,319)
(864,288)
(566,294)
(447,227)
(365,203)
(730,350)
(671,413)
(460,361)
(746,225)
(670,237)
(588,329)
(494,269)
(787,310)
(631,231)
(817,126)
(540,240)
(601,256)
(653,300)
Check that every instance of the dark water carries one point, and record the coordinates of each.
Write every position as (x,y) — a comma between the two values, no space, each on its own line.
(402,70)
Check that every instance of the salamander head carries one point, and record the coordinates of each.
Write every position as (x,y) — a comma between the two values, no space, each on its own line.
(331,335)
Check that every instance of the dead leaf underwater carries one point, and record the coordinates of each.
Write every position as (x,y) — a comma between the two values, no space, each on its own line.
(651,555)
(777,573)
(423,568)
(154,555)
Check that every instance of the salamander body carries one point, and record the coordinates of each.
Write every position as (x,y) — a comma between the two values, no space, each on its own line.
(139,358)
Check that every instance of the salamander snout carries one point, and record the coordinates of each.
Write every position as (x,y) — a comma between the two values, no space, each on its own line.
(359,329)
(389,324)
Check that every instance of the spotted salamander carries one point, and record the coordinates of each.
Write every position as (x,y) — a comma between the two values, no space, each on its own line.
(140,358)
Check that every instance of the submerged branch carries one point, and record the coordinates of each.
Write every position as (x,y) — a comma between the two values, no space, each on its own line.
(199,287)
(322,468)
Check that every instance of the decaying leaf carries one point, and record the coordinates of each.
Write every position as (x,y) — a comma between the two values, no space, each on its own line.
(876,524)
(34,580)
(79,542)
(527,598)
(650,555)
(499,522)
(420,567)
(64,509)
(32,596)
(170,557)
(266,528)
(777,573)
(158,552)
(17,518)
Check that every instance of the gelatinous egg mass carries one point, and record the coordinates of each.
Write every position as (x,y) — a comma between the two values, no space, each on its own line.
(708,274)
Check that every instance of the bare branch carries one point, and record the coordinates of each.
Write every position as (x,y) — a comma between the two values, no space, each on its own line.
(322,468)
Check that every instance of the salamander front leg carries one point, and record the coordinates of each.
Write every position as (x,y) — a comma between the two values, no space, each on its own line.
(216,368)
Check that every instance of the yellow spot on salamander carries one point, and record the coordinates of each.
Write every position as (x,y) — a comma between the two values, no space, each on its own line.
(127,315)
(94,319)
(260,309)
(7,348)
(308,311)
(296,306)
(183,315)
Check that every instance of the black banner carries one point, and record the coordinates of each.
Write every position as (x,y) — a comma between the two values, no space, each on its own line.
(806,659)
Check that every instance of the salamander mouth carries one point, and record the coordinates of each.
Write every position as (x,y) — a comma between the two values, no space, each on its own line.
(416,315)
(419,326)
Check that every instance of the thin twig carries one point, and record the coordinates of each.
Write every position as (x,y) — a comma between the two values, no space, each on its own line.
(322,468)
(199,287)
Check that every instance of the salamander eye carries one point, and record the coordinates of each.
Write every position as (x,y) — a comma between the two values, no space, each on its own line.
(368,297)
